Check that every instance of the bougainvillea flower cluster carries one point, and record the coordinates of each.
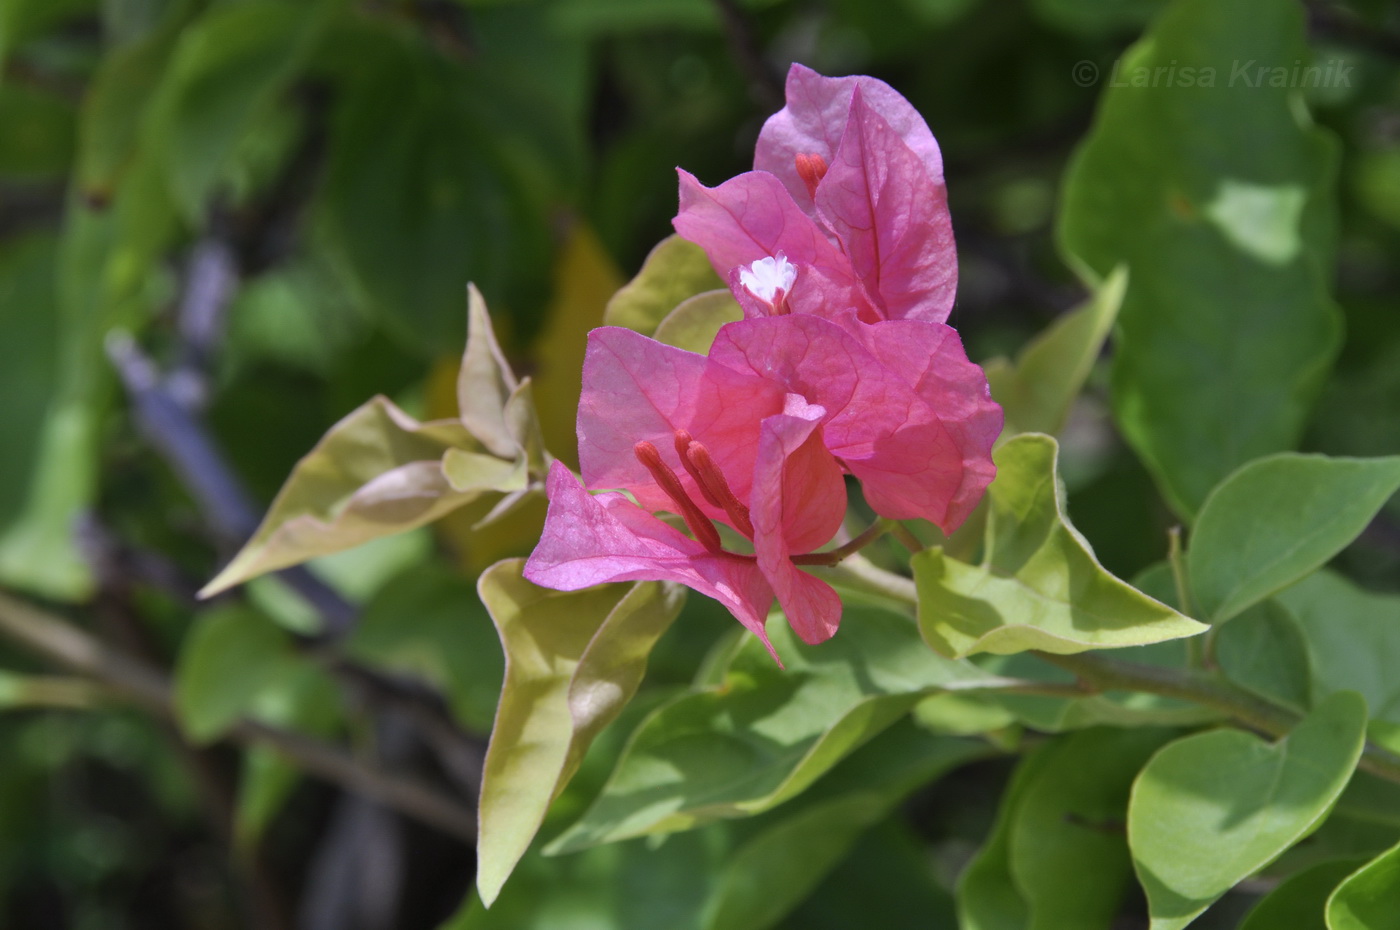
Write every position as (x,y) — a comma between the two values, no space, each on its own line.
(839,248)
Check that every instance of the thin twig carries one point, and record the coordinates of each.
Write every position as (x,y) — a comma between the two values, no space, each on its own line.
(767,84)
(1242,706)
(834,556)
(1101,673)
(906,538)
(62,643)
(183,442)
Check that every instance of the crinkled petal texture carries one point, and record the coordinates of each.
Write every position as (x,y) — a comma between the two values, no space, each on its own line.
(815,120)
(907,413)
(751,217)
(871,234)
(591,539)
(892,218)
(765,440)
(635,389)
(799,498)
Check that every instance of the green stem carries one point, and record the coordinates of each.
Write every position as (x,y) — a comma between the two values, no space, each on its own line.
(1097,672)
(860,575)
(833,556)
(1208,690)
(1199,651)
(63,643)
(906,538)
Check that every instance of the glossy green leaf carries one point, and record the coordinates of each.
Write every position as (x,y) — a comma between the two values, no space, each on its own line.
(1299,900)
(573,661)
(1277,519)
(1369,899)
(675,270)
(765,734)
(228,66)
(1264,650)
(378,471)
(1067,851)
(696,320)
(1353,637)
(1039,585)
(1212,809)
(1226,331)
(1037,390)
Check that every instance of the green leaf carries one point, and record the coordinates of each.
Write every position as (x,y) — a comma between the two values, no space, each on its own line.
(731,875)
(230,657)
(1367,900)
(1214,808)
(304,699)
(773,871)
(28,359)
(1265,651)
(676,270)
(38,142)
(1277,519)
(1067,852)
(421,192)
(1115,709)
(228,66)
(573,661)
(115,108)
(1102,17)
(1298,902)
(987,895)
(1226,332)
(696,320)
(1039,585)
(1037,390)
(763,735)
(884,882)
(1353,637)
(485,382)
(428,623)
(376,472)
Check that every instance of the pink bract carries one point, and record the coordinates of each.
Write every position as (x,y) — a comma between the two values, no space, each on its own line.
(848,185)
(764,442)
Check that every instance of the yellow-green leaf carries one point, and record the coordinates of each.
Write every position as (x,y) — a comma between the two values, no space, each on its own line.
(573,661)
(1039,585)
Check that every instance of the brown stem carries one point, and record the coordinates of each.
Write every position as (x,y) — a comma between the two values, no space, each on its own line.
(60,642)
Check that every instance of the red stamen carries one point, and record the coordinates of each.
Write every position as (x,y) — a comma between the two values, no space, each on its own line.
(811,169)
(700,526)
(683,441)
(712,484)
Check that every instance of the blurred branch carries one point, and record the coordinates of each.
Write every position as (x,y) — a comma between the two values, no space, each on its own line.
(1331,21)
(766,84)
(62,643)
(186,446)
